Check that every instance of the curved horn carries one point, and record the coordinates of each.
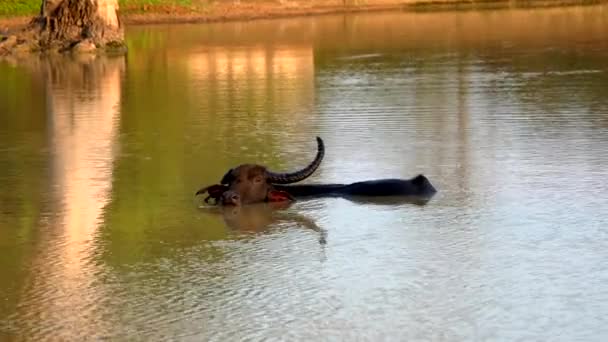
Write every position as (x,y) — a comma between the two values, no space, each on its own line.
(292,177)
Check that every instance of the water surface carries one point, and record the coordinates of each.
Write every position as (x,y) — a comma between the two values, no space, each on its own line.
(505,111)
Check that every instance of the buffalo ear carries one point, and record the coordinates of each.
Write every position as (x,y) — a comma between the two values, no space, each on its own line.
(279,196)
(228,177)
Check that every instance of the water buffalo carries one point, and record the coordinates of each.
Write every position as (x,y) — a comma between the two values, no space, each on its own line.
(252,183)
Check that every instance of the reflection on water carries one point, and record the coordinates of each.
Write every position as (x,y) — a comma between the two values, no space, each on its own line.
(246,81)
(82,99)
(260,218)
(504,111)
(82,105)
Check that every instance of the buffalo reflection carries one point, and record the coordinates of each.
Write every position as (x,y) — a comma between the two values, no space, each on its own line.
(258,218)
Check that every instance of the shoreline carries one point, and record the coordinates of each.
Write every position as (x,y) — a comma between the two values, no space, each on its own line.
(225,12)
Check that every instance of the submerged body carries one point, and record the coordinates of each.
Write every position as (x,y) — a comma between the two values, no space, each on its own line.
(418,187)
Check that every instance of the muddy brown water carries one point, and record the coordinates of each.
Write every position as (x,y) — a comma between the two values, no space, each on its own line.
(505,111)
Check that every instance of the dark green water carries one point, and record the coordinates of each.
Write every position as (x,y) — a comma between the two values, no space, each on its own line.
(505,111)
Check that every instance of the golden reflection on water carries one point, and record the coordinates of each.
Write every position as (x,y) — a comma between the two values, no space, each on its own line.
(83,143)
(254,75)
(525,27)
(83,99)
(406,30)
(250,90)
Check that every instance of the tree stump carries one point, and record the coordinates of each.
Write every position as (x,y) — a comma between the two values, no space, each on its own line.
(70,26)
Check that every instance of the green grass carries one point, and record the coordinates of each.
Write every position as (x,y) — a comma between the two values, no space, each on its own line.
(30,7)
(19,7)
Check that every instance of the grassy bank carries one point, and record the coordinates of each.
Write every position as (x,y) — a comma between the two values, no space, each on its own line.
(30,7)
(15,13)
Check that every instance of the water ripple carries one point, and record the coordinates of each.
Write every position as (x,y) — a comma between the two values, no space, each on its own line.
(102,239)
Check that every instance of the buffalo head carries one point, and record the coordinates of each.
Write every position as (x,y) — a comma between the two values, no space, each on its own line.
(252,183)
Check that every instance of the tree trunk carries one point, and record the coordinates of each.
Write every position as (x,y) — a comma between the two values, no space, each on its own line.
(70,25)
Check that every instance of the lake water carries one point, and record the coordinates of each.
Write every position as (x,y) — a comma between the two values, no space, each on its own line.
(505,111)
